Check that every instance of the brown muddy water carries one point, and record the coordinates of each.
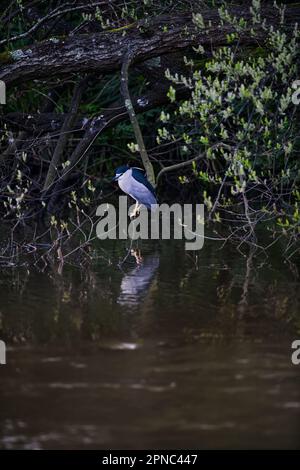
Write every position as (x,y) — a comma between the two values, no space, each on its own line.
(178,351)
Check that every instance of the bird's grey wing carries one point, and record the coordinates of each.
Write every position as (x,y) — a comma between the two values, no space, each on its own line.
(141,193)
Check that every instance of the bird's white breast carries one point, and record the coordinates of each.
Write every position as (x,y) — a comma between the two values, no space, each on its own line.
(125,181)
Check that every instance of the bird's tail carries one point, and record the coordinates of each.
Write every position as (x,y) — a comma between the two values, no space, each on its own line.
(153,207)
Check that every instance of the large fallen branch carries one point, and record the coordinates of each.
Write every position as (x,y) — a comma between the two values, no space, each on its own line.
(104,52)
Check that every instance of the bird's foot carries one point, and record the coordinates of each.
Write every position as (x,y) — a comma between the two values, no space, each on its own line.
(134,214)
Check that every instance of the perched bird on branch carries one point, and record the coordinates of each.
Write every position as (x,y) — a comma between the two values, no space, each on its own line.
(133,182)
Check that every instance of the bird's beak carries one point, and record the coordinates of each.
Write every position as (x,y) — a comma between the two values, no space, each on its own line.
(115,178)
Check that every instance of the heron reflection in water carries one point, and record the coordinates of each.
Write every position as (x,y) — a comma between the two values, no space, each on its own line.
(137,282)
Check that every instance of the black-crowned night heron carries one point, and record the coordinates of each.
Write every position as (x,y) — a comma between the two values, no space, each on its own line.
(134,183)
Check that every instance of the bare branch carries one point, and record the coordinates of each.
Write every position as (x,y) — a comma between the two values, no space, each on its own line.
(136,127)
(63,138)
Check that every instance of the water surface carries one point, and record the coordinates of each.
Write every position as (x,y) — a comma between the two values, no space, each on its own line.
(169,350)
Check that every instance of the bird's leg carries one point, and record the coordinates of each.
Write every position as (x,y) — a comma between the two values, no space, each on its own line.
(133,213)
(136,210)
